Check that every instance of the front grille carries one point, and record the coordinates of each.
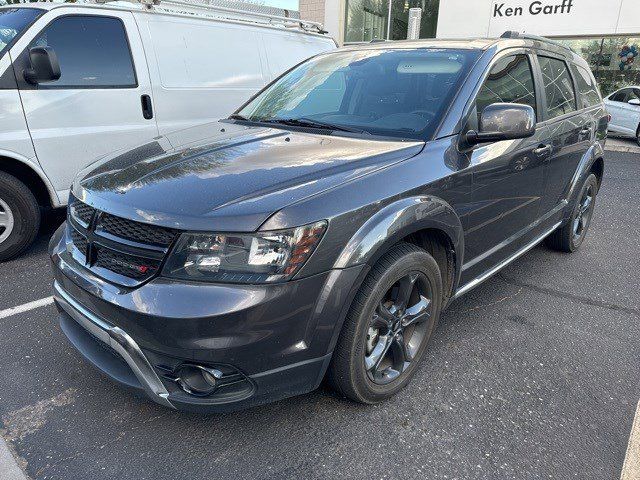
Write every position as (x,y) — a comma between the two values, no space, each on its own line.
(130,266)
(136,231)
(79,241)
(82,212)
(120,250)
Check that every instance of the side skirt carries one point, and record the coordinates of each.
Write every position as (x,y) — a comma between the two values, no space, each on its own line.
(478,280)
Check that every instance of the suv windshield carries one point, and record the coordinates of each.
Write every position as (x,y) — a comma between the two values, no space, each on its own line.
(391,92)
(13,21)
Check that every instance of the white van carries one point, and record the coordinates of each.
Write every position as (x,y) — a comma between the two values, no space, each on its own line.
(78,81)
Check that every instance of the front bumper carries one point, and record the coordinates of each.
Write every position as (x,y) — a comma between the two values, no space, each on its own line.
(273,341)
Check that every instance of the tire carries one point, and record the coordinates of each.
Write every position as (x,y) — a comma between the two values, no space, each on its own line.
(359,343)
(568,237)
(19,216)
(638,137)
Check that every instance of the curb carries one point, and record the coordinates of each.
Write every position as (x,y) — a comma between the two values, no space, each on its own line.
(621,149)
(9,468)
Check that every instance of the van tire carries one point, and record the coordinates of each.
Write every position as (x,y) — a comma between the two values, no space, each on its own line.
(25,215)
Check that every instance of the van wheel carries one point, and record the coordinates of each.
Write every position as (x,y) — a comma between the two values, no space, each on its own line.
(569,237)
(19,216)
(388,326)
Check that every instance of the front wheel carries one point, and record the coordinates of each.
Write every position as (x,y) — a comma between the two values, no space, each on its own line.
(569,237)
(19,216)
(388,326)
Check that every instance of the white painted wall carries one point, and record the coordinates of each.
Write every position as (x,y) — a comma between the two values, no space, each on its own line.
(472,18)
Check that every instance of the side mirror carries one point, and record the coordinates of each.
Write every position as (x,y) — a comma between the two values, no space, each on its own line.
(634,101)
(44,65)
(504,121)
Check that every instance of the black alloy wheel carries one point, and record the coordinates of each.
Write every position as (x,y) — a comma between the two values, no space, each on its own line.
(388,327)
(397,328)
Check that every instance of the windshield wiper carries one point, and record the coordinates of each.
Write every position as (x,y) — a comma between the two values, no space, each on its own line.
(237,116)
(312,123)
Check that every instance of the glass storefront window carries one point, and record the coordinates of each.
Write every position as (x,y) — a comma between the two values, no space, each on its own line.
(367,20)
(614,61)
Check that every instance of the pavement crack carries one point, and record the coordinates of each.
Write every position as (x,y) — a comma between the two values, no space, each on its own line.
(571,296)
(500,300)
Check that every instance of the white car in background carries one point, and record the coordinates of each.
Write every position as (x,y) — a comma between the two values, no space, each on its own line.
(624,108)
(79,81)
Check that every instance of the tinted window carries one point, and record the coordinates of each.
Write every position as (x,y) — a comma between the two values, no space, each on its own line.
(92,51)
(391,92)
(510,81)
(620,96)
(561,97)
(13,21)
(586,86)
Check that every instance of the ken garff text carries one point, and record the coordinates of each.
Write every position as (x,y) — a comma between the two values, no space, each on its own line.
(535,8)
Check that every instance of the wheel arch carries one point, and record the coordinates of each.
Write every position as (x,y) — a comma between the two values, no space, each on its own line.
(32,177)
(592,162)
(426,221)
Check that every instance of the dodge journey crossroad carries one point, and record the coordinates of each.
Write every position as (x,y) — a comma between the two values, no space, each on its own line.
(320,230)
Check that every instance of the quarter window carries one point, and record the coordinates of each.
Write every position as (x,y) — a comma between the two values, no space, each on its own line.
(560,95)
(586,86)
(511,81)
(92,51)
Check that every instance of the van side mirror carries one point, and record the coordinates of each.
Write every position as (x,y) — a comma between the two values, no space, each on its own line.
(44,65)
(503,121)
(634,101)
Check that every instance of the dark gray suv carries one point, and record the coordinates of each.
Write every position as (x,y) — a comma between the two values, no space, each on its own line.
(320,230)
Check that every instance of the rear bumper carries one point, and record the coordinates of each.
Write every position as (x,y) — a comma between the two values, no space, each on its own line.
(272,341)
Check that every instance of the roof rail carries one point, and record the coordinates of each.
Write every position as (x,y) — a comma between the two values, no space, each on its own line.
(527,36)
(208,10)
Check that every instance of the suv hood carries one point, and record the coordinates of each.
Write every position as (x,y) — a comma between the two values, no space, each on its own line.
(229,177)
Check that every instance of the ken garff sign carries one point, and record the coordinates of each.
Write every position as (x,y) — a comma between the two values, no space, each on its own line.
(503,9)
(554,17)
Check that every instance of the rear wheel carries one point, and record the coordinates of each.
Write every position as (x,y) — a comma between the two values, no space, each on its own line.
(19,216)
(388,326)
(570,236)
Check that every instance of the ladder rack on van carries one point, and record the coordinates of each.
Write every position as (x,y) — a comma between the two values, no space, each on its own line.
(226,13)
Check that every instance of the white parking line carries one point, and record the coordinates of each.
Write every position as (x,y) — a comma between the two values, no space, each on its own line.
(631,466)
(25,307)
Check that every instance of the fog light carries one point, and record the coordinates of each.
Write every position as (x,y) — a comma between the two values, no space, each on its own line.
(197,380)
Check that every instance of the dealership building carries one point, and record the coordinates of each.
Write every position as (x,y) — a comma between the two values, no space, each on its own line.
(605,32)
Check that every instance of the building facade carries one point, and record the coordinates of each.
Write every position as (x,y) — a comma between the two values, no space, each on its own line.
(605,32)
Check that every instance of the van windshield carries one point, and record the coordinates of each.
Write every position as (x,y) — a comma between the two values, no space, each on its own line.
(13,21)
(390,92)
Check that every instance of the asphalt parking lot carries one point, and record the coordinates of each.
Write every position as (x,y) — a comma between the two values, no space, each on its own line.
(535,374)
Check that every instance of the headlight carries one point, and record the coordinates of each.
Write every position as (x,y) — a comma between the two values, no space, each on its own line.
(243,258)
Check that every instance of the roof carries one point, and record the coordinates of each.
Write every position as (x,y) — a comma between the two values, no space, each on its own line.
(228,12)
(474,44)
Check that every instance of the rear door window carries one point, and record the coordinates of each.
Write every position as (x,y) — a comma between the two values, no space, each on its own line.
(93,51)
(586,86)
(559,92)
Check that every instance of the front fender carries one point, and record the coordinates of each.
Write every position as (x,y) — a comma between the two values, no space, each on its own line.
(397,220)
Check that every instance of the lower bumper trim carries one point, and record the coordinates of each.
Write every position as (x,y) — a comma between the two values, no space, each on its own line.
(119,341)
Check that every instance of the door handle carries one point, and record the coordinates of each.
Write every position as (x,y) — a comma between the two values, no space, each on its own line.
(147,107)
(543,151)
